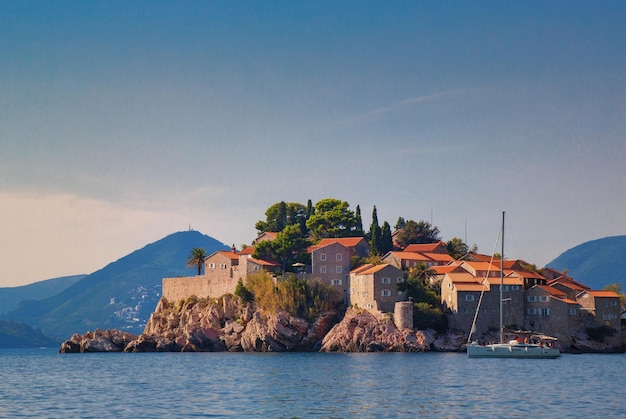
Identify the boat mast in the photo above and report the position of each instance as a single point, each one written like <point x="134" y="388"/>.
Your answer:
<point x="502" y="282"/>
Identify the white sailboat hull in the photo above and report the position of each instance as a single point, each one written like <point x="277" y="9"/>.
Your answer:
<point x="512" y="350"/>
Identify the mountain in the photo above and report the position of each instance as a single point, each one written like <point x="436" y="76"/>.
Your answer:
<point x="11" y="297"/>
<point x="19" y="335"/>
<point x="595" y="263"/>
<point x="122" y="295"/>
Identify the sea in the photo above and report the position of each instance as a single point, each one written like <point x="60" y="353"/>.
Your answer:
<point x="45" y="384"/>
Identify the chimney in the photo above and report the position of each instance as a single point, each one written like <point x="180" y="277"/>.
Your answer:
<point x="233" y="249"/>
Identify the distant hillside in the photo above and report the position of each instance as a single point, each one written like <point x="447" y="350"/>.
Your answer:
<point x="595" y="263"/>
<point x="11" y="297"/>
<point x="19" y="335"/>
<point x="121" y="295"/>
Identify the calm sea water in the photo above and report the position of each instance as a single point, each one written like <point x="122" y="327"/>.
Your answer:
<point x="43" y="383"/>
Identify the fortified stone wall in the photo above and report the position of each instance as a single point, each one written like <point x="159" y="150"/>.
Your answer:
<point x="180" y="288"/>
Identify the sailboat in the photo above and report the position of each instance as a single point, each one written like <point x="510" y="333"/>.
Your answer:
<point x="533" y="346"/>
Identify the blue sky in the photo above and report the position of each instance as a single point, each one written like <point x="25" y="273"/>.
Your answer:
<point x="122" y="122"/>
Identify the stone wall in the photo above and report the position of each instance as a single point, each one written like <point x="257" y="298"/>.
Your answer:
<point x="403" y="315"/>
<point x="180" y="288"/>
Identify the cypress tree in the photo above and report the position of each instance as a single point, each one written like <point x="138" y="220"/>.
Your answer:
<point x="375" y="234"/>
<point x="359" y="222"/>
<point x="386" y="242"/>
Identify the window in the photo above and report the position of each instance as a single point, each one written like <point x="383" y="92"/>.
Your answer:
<point x="572" y="311"/>
<point x="222" y="266"/>
<point x="543" y="311"/>
<point x="339" y="257"/>
<point x="543" y="298"/>
<point x="323" y="256"/>
<point x="399" y="280"/>
<point x="532" y="311"/>
<point x="386" y="293"/>
<point x="532" y="299"/>
<point x="323" y="269"/>
<point x="469" y="297"/>
<point x="614" y="303"/>
<point x="505" y="288"/>
<point x="335" y="282"/>
<point x="338" y="269"/>
<point x="211" y="265"/>
<point x="514" y="287"/>
<point x="385" y="280"/>
<point x="368" y="306"/>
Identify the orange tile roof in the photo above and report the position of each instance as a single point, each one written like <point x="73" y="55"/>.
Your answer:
<point x="228" y="254"/>
<point x="482" y="266"/>
<point x="374" y="269"/>
<point x="424" y="247"/>
<point x="263" y="262"/>
<point x="411" y="256"/>
<point x="462" y="277"/>
<point x="442" y="269"/>
<point x="507" y="280"/>
<point x="439" y="257"/>
<point x="247" y="251"/>
<point x="552" y="291"/>
<point x="524" y="274"/>
<point x="362" y="268"/>
<point x="345" y="241"/>
<point x="468" y="286"/>
<point x="602" y="293"/>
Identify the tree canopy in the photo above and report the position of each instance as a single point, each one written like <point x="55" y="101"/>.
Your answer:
<point x="281" y="215"/>
<point x="287" y="248"/>
<point x="417" y="232"/>
<point x="332" y="218"/>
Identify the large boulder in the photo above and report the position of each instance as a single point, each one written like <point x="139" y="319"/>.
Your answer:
<point x="98" y="341"/>
<point x="281" y="332"/>
<point x="364" y="331"/>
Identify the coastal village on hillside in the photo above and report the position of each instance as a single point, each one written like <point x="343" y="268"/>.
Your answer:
<point x="544" y="301"/>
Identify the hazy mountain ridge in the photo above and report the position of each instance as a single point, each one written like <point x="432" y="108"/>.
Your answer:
<point x="595" y="263"/>
<point x="121" y="295"/>
<point x="10" y="297"/>
<point x="19" y="335"/>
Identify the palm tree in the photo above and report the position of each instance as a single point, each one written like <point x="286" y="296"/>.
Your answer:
<point x="196" y="259"/>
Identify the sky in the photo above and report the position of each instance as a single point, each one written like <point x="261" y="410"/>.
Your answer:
<point x="122" y="122"/>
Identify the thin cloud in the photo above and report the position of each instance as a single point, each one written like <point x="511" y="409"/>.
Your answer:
<point x="394" y="107"/>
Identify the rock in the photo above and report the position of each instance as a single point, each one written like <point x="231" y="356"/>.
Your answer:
<point x="98" y="341"/>
<point x="363" y="331"/>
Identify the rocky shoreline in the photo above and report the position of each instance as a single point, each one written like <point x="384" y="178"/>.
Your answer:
<point x="227" y="325"/>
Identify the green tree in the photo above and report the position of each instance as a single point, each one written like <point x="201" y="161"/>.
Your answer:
<point x="456" y="248"/>
<point x="399" y="224"/>
<point x="282" y="214"/>
<point x="332" y="218"/>
<point x="386" y="241"/>
<point x="196" y="259"/>
<point x="288" y="247"/>
<point x="417" y="285"/>
<point x="417" y="232"/>
<point x="359" y="222"/>
<point x="375" y="234"/>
